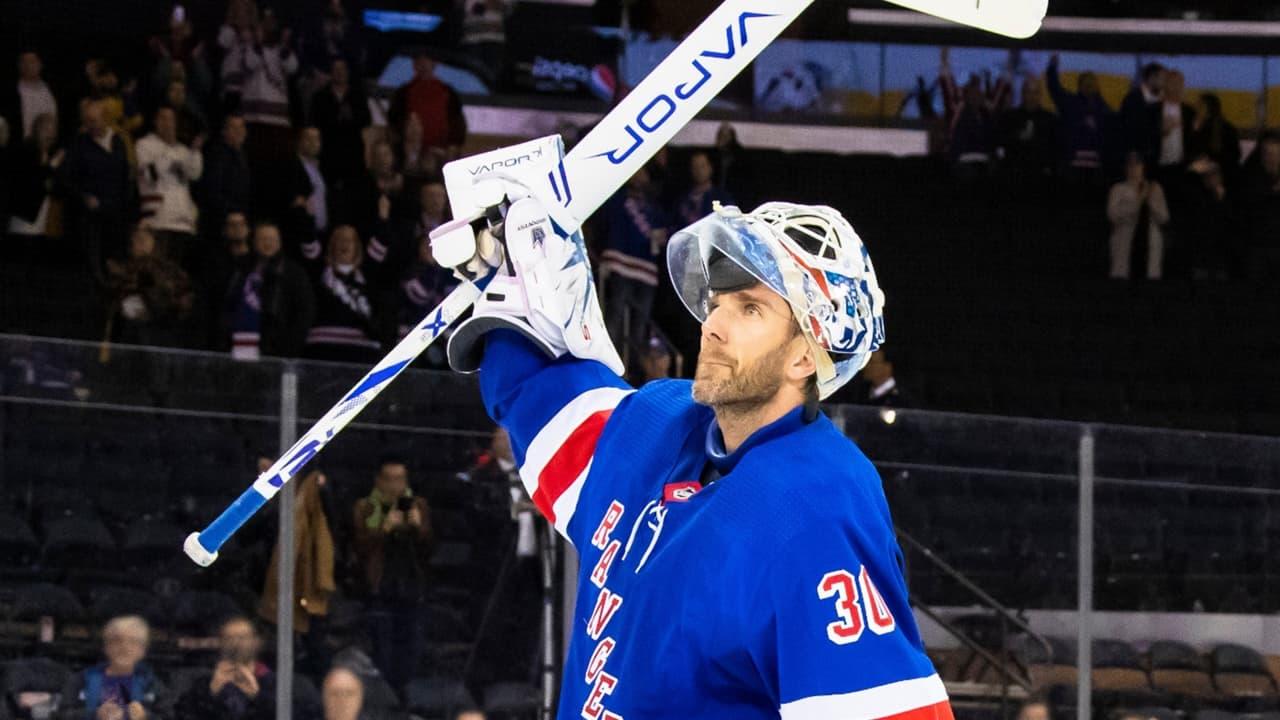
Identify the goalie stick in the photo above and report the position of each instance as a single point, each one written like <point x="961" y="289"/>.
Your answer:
<point x="580" y="182"/>
<point x="668" y="98"/>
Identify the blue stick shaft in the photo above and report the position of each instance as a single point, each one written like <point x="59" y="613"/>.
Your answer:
<point x="236" y="514"/>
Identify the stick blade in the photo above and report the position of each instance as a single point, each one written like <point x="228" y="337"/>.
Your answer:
<point x="1012" y="18"/>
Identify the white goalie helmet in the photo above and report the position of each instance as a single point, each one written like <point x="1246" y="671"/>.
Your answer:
<point x="808" y="254"/>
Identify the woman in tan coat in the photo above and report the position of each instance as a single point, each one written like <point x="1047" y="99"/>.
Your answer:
<point x="1137" y="205"/>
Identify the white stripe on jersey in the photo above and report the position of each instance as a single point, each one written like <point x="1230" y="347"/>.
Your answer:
<point x="877" y="702"/>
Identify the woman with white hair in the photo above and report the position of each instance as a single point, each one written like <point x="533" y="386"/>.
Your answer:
<point x="123" y="687"/>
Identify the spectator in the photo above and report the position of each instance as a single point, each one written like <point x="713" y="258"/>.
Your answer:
<point x="152" y="295"/>
<point x="876" y="384"/>
<point x="469" y="714"/>
<point x="240" y="687"/>
<point x="436" y="106"/>
<point x="1142" y="115"/>
<point x="702" y="194"/>
<point x="379" y="189"/>
<point x="1213" y="137"/>
<point x="236" y="37"/>
<point x="328" y="39"/>
<point x="269" y="63"/>
<point x="343" y="695"/>
<point x="1138" y="214"/>
<point x="229" y="254"/>
<point x="1034" y="708"/>
<point x="166" y="169"/>
<point x="96" y="177"/>
<point x="1084" y="115"/>
<point x="123" y="687"/>
<point x="629" y="263"/>
<point x="30" y="97"/>
<point x="1027" y="136"/>
<point x="655" y="362"/>
<point x="1177" y="118"/>
<point x="269" y="303"/>
<point x="35" y="164"/>
<point x="341" y="112"/>
<point x="416" y="159"/>
<point x="227" y="182"/>
<point x="392" y="544"/>
<point x="345" y="326"/>
<point x="180" y="57"/>
<point x="733" y="161"/>
<point x="424" y="286"/>
<point x="1212" y="228"/>
<point x="304" y="187"/>
<point x="484" y="36"/>
<point x="119" y="105"/>
<point x="192" y="123"/>
<point x="1260" y="197"/>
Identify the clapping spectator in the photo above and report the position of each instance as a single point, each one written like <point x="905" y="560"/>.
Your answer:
<point x="341" y="112"/>
<point x="346" y="326"/>
<point x="269" y="63"/>
<point x="698" y="200"/>
<point x="227" y="182"/>
<point x="166" y="170"/>
<point x="180" y="57"/>
<point x="1138" y="213"/>
<point x="235" y="37"/>
<point x="29" y="98"/>
<point x="392" y="544"/>
<point x="629" y="263"/>
<point x="152" y="296"/>
<point x="1260" y="197"/>
<point x="343" y="695"/>
<point x="123" y="687"/>
<point x="96" y="177"/>
<point x="269" y="305"/>
<point x="436" y="106"/>
<point x="35" y="163"/>
<point x="240" y="686"/>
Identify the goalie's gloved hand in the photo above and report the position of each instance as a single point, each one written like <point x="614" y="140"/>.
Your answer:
<point x="542" y="289"/>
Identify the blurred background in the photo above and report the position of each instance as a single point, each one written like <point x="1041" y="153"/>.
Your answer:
<point x="214" y="217"/>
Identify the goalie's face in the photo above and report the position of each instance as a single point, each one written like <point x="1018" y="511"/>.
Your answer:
<point x="752" y="352"/>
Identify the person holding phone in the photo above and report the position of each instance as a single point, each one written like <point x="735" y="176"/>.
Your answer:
<point x="240" y="687"/>
<point x="392" y="547"/>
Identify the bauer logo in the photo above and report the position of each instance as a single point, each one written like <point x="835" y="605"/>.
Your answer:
<point x="657" y="111"/>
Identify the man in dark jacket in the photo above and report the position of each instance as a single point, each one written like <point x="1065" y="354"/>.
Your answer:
<point x="226" y="183"/>
<point x="269" y="302"/>
<point x="96" y="178"/>
<point x="240" y="687"/>
<point x="1141" y="115"/>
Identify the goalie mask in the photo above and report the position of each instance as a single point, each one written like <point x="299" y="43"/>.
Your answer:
<point x="809" y="255"/>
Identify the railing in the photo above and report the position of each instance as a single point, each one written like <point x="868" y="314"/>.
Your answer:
<point x="1182" y="521"/>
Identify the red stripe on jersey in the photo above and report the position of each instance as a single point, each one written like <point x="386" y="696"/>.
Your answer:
<point x="937" y="711"/>
<point x="568" y="462"/>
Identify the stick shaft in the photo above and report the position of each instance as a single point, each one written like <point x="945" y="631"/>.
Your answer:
<point x="307" y="446"/>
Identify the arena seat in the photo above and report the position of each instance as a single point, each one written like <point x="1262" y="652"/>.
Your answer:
<point x="1241" y="672"/>
<point x="513" y="700"/>
<point x="436" y="697"/>
<point x="32" y="685"/>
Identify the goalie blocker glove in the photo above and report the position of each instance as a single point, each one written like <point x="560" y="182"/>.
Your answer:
<point x="542" y="288"/>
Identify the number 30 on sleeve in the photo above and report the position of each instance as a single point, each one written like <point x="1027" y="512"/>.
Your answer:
<point x="851" y="595"/>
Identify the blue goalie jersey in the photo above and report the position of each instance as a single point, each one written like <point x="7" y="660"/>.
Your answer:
<point x="775" y="591"/>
